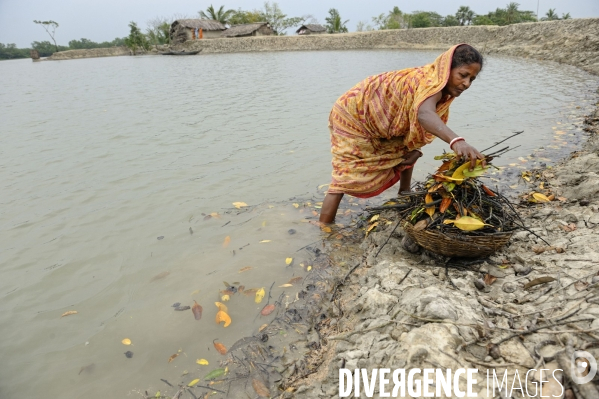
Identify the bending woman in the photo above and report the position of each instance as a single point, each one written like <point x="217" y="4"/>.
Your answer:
<point x="378" y="126"/>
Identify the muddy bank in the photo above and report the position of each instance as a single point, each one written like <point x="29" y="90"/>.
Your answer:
<point x="89" y="53"/>
<point x="407" y="310"/>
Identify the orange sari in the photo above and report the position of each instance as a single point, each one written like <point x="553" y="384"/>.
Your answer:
<point x="375" y="124"/>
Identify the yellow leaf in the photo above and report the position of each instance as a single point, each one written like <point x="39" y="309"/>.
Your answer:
<point x="288" y="261"/>
<point x="239" y="205"/>
<point x="296" y="205"/>
<point x="265" y="241"/>
<point x="221" y="306"/>
<point x="126" y="341"/>
<point x="244" y="269"/>
<point x="375" y="217"/>
<point x="459" y="172"/>
<point x="271" y="206"/>
<point x="430" y="210"/>
<point x="192" y="383"/>
<point x="225" y="298"/>
<point x="226" y="241"/>
<point x="540" y="197"/>
<point x="223" y="317"/>
<point x="68" y="313"/>
<point x="264" y="224"/>
<point x="262" y="327"/>
<point x="202" y="362"/>
<point x="372" y="226"/>
<point x="326" y="229"/>
<point x="467" y="223"/>
<point x="285" y="285"/>
<point x="309" y="268"/>
<point x="215" y="215"/>
<point x="260" y="294"/>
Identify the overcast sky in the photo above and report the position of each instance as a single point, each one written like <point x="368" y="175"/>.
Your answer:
<point x="106" y="19"/>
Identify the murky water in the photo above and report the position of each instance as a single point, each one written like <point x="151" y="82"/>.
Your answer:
<point x="109" y="168"/>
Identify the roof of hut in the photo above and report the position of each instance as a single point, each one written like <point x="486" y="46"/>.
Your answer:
<point x="244" y="29"/>
<point x="204" y="24"/>
<point x="313" y="28"/>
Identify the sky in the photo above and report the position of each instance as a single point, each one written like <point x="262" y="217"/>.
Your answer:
<point x="104" y="20"/>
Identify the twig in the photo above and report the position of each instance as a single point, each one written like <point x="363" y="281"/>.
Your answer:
<point x="404" y="277"/>
<point x="526" y="332"/>
<point x="387" y="240"/>
<point x="499" y="142"/>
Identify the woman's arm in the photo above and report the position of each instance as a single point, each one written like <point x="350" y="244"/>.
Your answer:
<point x="430" y="121"/>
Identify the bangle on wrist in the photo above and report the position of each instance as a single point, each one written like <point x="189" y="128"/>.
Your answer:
<point x="452" y="142"/>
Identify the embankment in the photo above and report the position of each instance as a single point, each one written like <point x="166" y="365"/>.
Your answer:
<point x="89" y="53"/>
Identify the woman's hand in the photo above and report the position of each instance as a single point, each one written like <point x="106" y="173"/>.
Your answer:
<point x="411" y="158"/>
<point x="466" y="151"/>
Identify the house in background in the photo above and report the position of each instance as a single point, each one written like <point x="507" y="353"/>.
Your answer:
<point x="311" y="29"/>
<point x="183" y="30"/>
<point x="255" y="29"/>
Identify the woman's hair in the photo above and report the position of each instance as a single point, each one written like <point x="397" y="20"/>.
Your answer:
<point x="466" y="55"/>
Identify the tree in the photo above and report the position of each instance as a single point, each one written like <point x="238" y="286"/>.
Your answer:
<point x="136" y="39"/>
<point x="566" y="16"/>
<point x="278" y="21"/>
<point x="421" y="20"/>
<point x="464" y="15"/>
<point x="50" y="28"/>
<point x="334" y="23"/>
<point x="511" y="13"/>
<point x="46" y="48"/>
<point x="245" y="17"/>
<point x="362" y="26"/>
<point x="451" y="20"/>
<point x="221" y="15"/>
<point x="551" y="15"/>
<point x="10" y="51"/>
<point x="482" y="20"/>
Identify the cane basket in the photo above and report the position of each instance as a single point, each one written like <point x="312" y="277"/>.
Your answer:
<point x="457" y="245"/>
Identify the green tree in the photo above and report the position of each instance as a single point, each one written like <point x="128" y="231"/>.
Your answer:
<point x="551" y="15"/>
<point x="136" y="39"/>
<point x="245" y="17"/>
<point x="464" y="15"/>
<point x="10" y="51"/>
<point x="511" y="13"/>
<point x="566" y="16"/>
<point x="159" y="34"/>
<point x="50" y="28"/>
<point x="421" y="20"/>
<point x="334" y="23"/>
<point x="278" y="21"/>
<point x="451" y="20"/>
<point x="46" y="48"/>
<point x="221" y="15"/>
<point x="482" y="20"/>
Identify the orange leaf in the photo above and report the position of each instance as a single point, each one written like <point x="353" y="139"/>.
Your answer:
<point x="488" y="191"/>
<point x="489" y="279"/>
<point x="445" y="204"/>
<point x="427" y="200"/>
<point x="223" y="317"/>
<point x="221" y="306"/>
<point x="170" y="359"/>
<point x="226" y="242"/>
<point x="197" y="310"/>
<point x="268" y="309"/>
<point x="260" y="388"/>
<point x="220" y="348"/>
<point x="244" y="269"/>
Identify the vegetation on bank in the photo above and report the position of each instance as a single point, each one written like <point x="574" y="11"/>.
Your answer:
<point x="157" y="31"/>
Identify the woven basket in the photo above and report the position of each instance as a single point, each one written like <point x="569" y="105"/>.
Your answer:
<point x="457" y="245"/>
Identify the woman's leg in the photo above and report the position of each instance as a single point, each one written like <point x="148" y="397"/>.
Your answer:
<point x="405" y="180"/>
<point x="329" y="207"/>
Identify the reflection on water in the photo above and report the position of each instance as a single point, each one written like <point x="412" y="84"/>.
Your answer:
<point x="109" y="167"/>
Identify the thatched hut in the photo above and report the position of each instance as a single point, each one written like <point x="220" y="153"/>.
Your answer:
<point x="311" y="29"/>
<point x="255" y="29"/>
<point x="183" y="30"/>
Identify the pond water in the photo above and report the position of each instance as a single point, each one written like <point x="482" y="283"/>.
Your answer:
<point x="111" y="167"/>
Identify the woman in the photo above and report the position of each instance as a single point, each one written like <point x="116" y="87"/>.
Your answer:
<point x="378" y="127"/>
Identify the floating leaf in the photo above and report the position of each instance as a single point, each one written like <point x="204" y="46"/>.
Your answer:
<point x="285" y="285"/>
<point x="214" y="374"/>
<point x="223" y="317"/>
<point x="160" y="276"/>
<point x="220" y="348"/>
<point x="221" y="306"/>
<point x="239" y="205"/>
<point x="540" y="197"/>
<point x="445" y="204"/>
<point x="202" y="362"/>
<point x="226" y="241"/>
<point x="197" y="310"/>
<point x="263" y="241"/>
<point x="296" y="205"/>
<point x="215" y="215"/>
<point x="295" y="280"/>
<point x="244" y="269"/>
<point x="260" y="293"/>
<point x="192" y="383"/>
<point x="68" y="313"/>
<point x="260" y="388"/>
<point x="170" y="359"/>
<point x="126" y="341"/>
<point x="308" y="268"/>
<point x="466" y="223"/>
<point x="288" y="261"/>
<point x="225" y="298"/>
<point x="268" y="309"/>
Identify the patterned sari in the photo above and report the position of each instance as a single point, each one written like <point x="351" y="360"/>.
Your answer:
<point x="375" y="124"/>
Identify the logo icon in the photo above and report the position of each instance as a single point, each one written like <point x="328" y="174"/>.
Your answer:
<point x="584" y="367"/>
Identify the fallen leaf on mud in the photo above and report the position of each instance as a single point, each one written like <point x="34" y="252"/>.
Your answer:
<point x="489" y="279"/>
<point x="308" y="268"/>
<point x="68" y="313"/>
<point x="537" y="281"/>
<point x="285" y="285"/>
<point x="126" y="341"/>
<point x="260" y="295"/>
<point x="197" y="310"/>
<point x="296" y="205"/>
<point x="295" y="280"/>
<point x="562" y="199"/>
<point x="160" y="276"/>
<point x="264" y="241"/>
<point x="375" y="217"/>
<point x="226" y="241"/>
<point x="260" y="388"/>
<point x="225" y="298"/>
<point x="220" y="348"/>
<point x="207" y="217"/>
<point x="239" y="205"/>
<point x="288" y="261"/>
<point x="262" y="327"/>
<point x="241" y="288"/>
<point x="540" y="197"/>
<point x="244" y="269"/>
<point x="223" y="317"/>
<point x="538" y="249"/>
<point x="580" y="285"/>
<point x="568" y="228"/>
<point x="215" y="215"/>
<point x="192" y="383"/>
<point x="250" y="292"/>
<point x="221" y="306"/>
<point x="268" y="309"/>
<point x="372" y="226"/>
<point x="202" y="362"/>
<point x="170" y="359"/>
<point x="214" y="374"/>
<point x="326" y="229"/>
